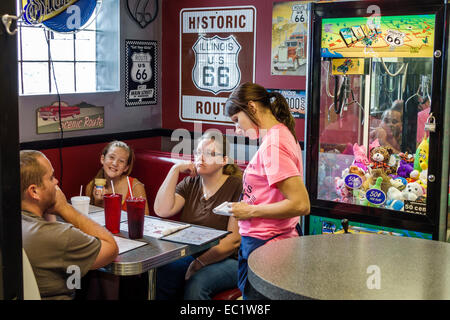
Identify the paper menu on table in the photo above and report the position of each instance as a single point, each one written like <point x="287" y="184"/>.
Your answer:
<point x="157" y="228"/>
<point x="99" y="217"/>
<point x="93" y="209"/>
<point x="125" y="244"/>
<point x="196" y="235"/>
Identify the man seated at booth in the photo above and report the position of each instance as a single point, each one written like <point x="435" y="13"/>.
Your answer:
<point x="59" y="252"/>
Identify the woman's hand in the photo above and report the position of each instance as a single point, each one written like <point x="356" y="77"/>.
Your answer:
<point x="192" y="269"/>
<point x="241" y="210"/>
<point x="187" y="167"/>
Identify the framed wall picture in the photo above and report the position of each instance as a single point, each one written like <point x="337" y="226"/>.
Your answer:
<point x="140" y="72"/>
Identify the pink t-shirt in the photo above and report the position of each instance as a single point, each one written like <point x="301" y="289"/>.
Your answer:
<point x="278" y="158"/>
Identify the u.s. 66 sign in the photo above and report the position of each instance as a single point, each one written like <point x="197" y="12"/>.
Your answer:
<point x="217" y="49"/>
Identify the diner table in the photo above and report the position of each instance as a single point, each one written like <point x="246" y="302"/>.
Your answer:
<point x="153" y="254"/>
<point x="351" y="267"/>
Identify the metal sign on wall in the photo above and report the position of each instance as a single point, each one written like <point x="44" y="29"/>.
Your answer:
<point x="217" y="53"/>
<point x="141" y="73"/>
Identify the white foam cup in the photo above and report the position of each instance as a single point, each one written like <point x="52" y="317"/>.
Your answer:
<point x="81" y="204"/>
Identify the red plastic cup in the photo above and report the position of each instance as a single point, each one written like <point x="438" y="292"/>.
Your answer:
<point x="135" y="213"/>
<point x="113" y="205"/>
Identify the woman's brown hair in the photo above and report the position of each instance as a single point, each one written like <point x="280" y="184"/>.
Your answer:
<point x="246" y="92"/>
<point x="230" y="169"/>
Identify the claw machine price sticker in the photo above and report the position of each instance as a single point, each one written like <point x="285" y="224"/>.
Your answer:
<point x="353" y="181"/>
<point x="375" y="196"/>
<point x="383" y="36"/>
<point x="289" y="38"/>
<point x="217" y="54"/>
<point x="140" y="68"/>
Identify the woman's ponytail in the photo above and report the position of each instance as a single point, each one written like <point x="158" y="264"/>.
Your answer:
<point x="280" y="109"/>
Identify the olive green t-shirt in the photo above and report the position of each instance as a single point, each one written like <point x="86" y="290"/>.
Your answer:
<point x="197" y="210"/>
<point x="56" y="250"/>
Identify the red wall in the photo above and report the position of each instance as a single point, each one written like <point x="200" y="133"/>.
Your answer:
<point x="81" y="163"/>
<point x="170" y="58"/>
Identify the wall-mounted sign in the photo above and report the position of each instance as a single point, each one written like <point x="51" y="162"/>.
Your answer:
<point x="217" y="53"/>
<point x="296" y="100"/>
<point x="289" y="38"/>
<point x="59" y="16"/>
<point x="80" y="116"/>
<point x="382" y="36"/>
<point x="140" y="72"/>
<point x="143" y="11"/>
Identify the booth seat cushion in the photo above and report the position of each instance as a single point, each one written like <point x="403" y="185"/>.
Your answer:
<point x="151" y="168"/>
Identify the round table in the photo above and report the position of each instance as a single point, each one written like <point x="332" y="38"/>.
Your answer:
<point x="351" y="266"/>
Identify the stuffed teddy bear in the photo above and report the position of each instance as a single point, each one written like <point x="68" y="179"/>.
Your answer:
<point x="379" y="158"/>
<point x="376" y="173"/>
<point x="412" y="191"/>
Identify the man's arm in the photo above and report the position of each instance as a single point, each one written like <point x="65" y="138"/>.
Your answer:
<point x="108" y="250"/>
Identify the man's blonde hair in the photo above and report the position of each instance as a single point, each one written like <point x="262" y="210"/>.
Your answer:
<point x="31" y="171"/>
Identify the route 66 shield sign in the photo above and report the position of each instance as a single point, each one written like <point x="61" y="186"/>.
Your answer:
<point x="140" y="69"/>
<point x="140" y="72"/>
<point x="216" y="66"/>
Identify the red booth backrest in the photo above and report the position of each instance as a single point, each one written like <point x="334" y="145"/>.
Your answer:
<point x="151" y="168"/>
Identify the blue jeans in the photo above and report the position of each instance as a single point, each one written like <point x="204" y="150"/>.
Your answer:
<point x="203" y="285"/>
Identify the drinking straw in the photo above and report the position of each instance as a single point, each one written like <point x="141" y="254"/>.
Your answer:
<point x="112" y="185"/>
<point x="129" y="187"/>
<point x="81" y="190"/>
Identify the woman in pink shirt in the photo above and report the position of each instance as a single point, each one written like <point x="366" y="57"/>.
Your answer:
<point x="274" y="195"/>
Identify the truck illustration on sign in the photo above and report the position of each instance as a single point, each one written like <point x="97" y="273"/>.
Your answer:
<point x="292" y="53"/>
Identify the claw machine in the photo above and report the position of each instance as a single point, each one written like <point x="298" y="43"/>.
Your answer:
<point x="376" y="100"/>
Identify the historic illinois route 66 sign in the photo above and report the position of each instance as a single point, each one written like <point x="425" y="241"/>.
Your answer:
<point x="140" y="68"/>
<point x="217" y="50"/>
<point x="216" y="64"/>
<point x="140" y="72"/>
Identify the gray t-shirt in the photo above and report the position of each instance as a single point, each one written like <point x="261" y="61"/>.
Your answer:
<point x="53" y="247"/>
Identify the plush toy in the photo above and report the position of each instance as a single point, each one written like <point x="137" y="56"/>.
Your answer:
<point x="423" y="178"/>
<point x="397" y="205"/>
<point x="374" y="144"/>
<point x="393" y="164"/>
<point x="377" y="186"/>
<point x="376" y="173"/>
<point x="404" y="169"/>
<point x="421" y="158"/>
<point x="399" y="182"/>
<point x="358" y="171"/>
<point x="379" y="158"/>
<point x="394" y="194"/>
<point x="361" y="160"/>
<point x="342" y="191"/>
<point x="412" y="191"/>
<point x="413" y="176"/>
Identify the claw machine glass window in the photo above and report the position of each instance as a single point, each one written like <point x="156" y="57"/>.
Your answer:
<point x="375" y="111"/>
